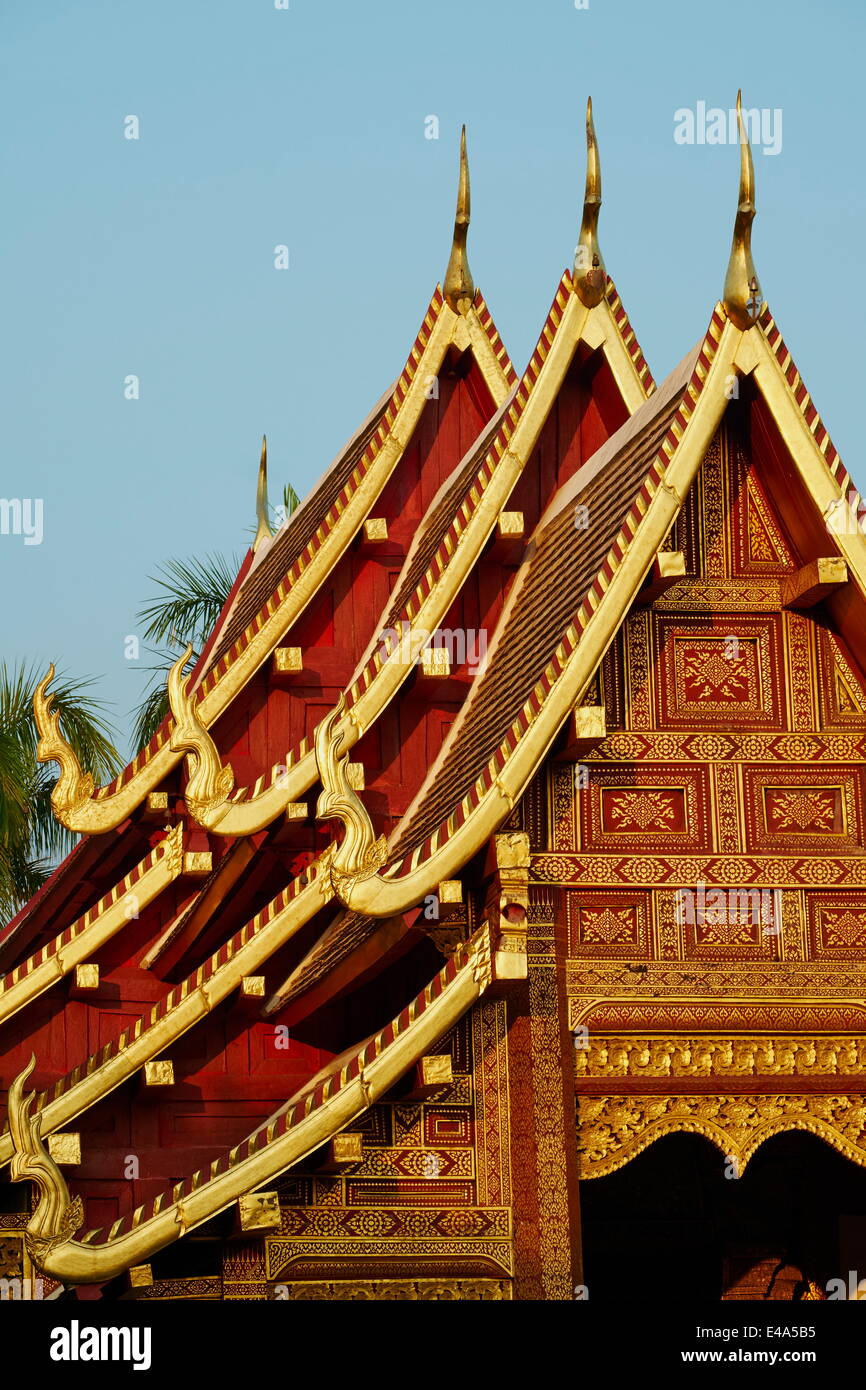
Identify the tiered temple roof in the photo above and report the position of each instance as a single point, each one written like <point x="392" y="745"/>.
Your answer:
<point x="217" y="904"/>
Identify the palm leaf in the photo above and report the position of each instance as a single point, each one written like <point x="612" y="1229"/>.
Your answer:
<point x="194" y="594"/>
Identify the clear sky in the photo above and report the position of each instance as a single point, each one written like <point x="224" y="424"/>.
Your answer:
<point x="305" y="127"/>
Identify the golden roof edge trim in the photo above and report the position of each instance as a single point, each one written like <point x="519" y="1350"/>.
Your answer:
<point x="39" y="971"/>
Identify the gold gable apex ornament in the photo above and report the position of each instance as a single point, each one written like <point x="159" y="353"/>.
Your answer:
<point x="742" y="293"/>
<point x="458" y="287"/>
<point x="589" y="274"/>
<point x="263" y="532"/>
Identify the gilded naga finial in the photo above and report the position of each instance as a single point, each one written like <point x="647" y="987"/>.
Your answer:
<point x="742" y="293"/>
<point x="56" y="1217"/>
<point x="589" y="273"/>
<point x="209" y="784"/>
<point x="359" y="855"/>
<point x="458" y="286"/>
<point x="74" y="786"/>
<point x="264" y="532"/>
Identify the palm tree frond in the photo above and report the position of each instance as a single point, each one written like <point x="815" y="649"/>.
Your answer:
<point x="149" y="715"/>
<point x="194" y="594"/>
<point x="20" y="877"/>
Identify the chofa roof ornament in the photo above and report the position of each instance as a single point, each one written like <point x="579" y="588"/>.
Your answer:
<point x="742" y="294"/>
<point x="263" y="530"/>
<point x="458" y="286"/>
<point x="589" y="273"/>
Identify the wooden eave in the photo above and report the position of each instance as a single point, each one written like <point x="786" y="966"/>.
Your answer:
<point x="277" y="923"/>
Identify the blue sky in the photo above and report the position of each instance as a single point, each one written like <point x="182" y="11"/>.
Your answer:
<point x="306" y="127"/>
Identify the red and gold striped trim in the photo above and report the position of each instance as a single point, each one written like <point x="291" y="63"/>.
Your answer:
<point x="770" y="330"/>
<point x="81" y="924"/>
<point x="496" y="343"/>
<point x="629" y="338"/>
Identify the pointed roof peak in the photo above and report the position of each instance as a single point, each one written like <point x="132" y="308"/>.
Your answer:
<point x="263" y="532"/>
<point x="742" y="293"/>
<point x="458" y="286"/>
<point x="589" y="273"/>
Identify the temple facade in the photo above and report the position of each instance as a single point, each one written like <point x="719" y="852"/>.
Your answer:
<point x="487" y="920"/>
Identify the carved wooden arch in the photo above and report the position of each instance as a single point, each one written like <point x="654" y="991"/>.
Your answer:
<point x="614" y="1129"/>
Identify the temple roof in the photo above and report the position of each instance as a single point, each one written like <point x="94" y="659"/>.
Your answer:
<point x="582" y="569"/>
<point x="573" y="581"/>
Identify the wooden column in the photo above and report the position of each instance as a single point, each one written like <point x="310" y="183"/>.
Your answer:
<point x="543" y="1137"/>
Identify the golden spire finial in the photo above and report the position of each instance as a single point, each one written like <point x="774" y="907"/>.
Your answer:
<point x="589" y="274"/>
<point x="264" y="531"/>
<point x="742" y="293"/>
<point x="458" y="286"/>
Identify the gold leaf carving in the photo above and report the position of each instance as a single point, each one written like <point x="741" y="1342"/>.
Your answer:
<point x="362" y="1290"/>
<point x="209" y="784"/>
<point x="683" y="1056"/>
<point x="359" y="856"/>
<point x="56" y="1217"/>
<point x="614" y="1129"/>
<point x="74" y="786"/>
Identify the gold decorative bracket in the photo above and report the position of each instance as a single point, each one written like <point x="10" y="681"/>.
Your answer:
<point x="814" y="582"/>
<point x="587" y="728"/>
<point x="506" y="905"/>
<point x="667" y="569"/>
